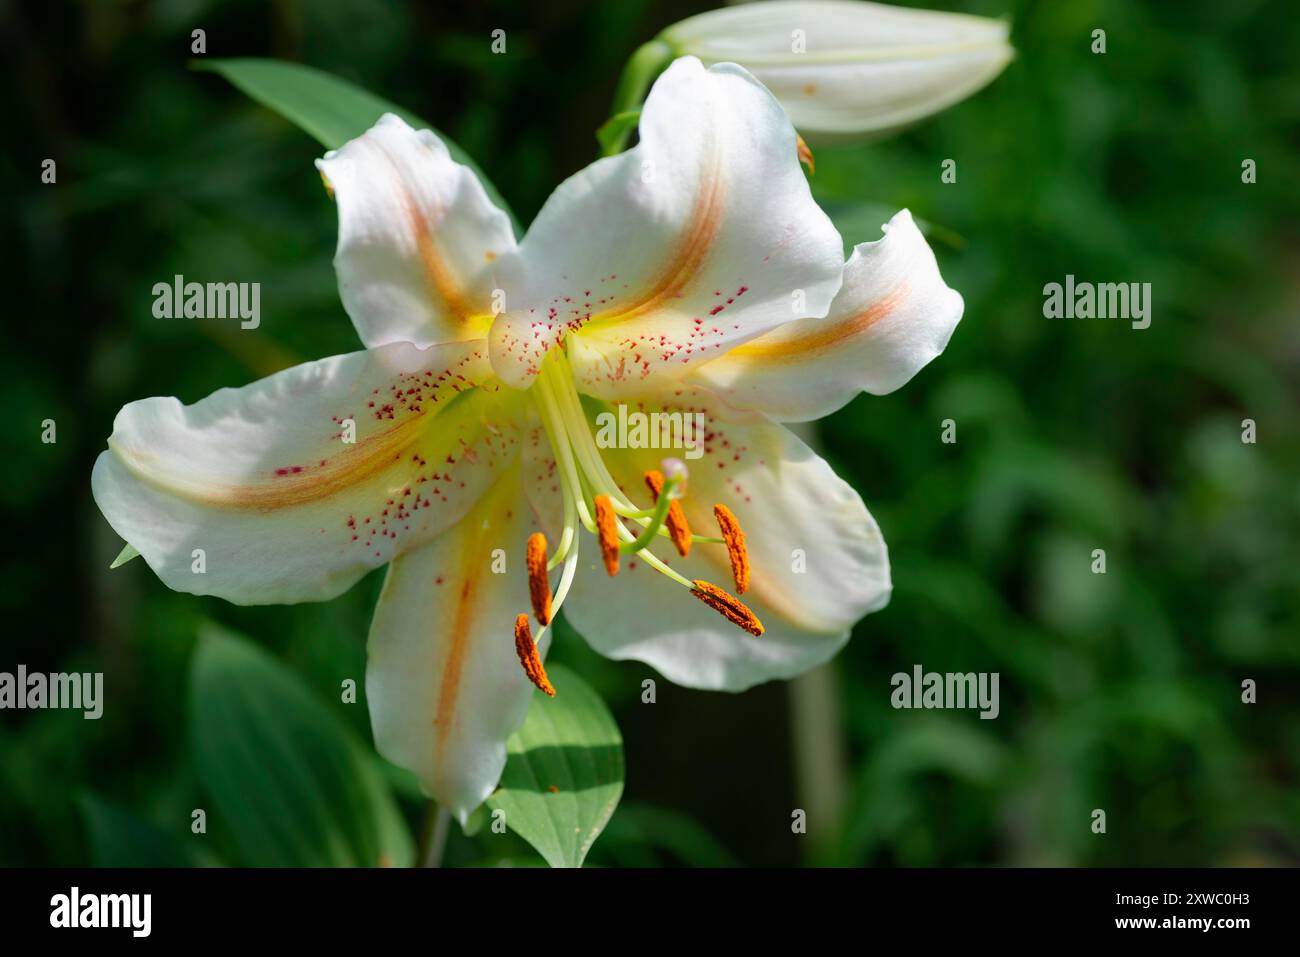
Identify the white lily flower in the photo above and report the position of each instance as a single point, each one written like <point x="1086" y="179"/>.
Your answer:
<point x="843" y="67"/>
<point x="661" y="278"/>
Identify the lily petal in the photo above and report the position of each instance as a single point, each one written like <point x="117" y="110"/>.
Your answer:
<point x="444" y="685"/>
<point x="541" y="479"/>
<point x="843" y="68"/>
<point x="419" y="239"/>
<point x="892" y="316"/>
<point x="818" y="560"/>
<point x="703" y="236"/>
<point x="255" y="494"/>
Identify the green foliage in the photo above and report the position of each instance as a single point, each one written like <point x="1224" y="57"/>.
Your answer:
<point x="1120" y="690"/>
<point x="564" y="773"/>
<point x="290" y="782"/>
<point x="117" y="837"/>
<point x="330" y="109"/>
<point x="127" y="553"/>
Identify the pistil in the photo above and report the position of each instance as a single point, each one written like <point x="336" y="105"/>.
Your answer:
<point x="594" y="499"/>
<point x="678" y="528"/>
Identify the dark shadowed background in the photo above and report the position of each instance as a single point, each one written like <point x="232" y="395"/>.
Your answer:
<point x="1119" y="691"/>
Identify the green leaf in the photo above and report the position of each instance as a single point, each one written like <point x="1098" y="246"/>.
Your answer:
<point x="127" y="553"/>
<point x="119" y="838"/>
<point x="564" y="771"/>
<point x="327" y="107"/>
<point x="287" y="778"/>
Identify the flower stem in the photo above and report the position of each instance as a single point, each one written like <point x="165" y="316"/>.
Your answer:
<point x="433" y="835"/>
<point x="821" y="776"/>
<point x="820" y="750"/>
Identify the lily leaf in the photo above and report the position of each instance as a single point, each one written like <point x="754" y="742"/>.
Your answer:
<point x="327" y="107"/>
<point x="119" y="838"/>
<point x="287" y="778"/>
<point x="127" y="553"/>
<point x="564" y="771"/>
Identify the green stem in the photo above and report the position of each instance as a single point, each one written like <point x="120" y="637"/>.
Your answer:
<point x="433" y="835"/>
<point x="820" y="749"/>
<point x="642" y="68"/>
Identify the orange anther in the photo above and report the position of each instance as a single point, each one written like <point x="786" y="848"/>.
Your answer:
<point x="736" y="551"/>
<point x="730" y="607"/>
<point x="607" y="532"/>
<point x="539" y="585"/>
<point x="529" y="658"/>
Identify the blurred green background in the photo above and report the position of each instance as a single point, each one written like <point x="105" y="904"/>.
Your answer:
<point x="1118" y="691"/>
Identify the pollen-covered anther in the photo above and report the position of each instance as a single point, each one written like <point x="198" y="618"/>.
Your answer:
<point x="734" y="537"/>
<point x="607" y="532"/>
<point x="729" y="606"/>
<point x="678" y="530"/>
<point x="529" y="658"/>
<point x="539" y="585"/>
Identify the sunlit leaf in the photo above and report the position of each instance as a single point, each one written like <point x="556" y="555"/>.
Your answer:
<point x="564" y="775"/>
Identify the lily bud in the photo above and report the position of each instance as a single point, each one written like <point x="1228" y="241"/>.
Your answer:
<point x="847" y="69"/>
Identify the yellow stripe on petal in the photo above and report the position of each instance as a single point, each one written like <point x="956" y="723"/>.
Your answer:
<point x="294" y="486"/>
<point x="443" y="677"/>
<point x="892" y="315"/>
<point x="418" y="237"/>
<point x="690" y="251"/>
<point x="802" y="339"/>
